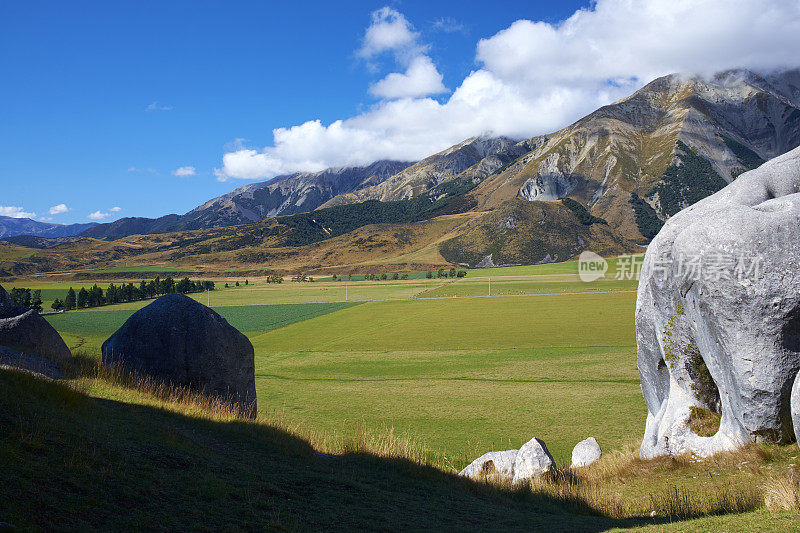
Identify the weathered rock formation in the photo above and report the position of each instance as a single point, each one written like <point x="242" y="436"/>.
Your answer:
<point x="585" y="453"/>
<point x="518" y="466"/>
<point x="718" y="314"/>
<point x="181" y="341"/>
<point x="23" y="330"/>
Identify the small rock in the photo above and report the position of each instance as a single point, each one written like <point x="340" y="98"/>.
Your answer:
<point x="492" y="463"/>
<point x="532" y="460"/>
<point x="585" y="452"/>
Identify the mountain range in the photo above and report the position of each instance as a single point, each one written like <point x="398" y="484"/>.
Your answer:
<point x="606" y="183"/>
<point x="10" y="227"/>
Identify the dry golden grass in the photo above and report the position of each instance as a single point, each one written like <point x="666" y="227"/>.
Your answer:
<point x="704" y="422"/>
<point x="598" y="490"/>
<point x="783" y="493"/>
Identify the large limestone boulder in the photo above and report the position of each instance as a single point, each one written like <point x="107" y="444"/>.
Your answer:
<point x="585" y="452"/>
<point x="492" y="464"/>
<point x="181" y="341"/>
<point x="718" y="314"/>
<point x="23" y="330"/>
<point x="533" y="460"/>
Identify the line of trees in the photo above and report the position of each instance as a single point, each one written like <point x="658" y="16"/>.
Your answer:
<point x="114" y="294"/>
<point x="442" y="273"/>
<point x="27" y="298"/>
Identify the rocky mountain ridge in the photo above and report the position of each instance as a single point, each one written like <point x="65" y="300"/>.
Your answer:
<point x="11" y="227"/>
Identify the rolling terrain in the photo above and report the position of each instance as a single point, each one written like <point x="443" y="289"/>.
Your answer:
<point x="379" y="403"/>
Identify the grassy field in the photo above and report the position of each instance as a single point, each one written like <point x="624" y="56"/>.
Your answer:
<point x="457" y="377"/>
<point x="87" y="330"/>
<point x="464" y="375"/>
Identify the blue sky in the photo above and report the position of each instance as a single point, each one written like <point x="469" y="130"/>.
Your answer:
<point x="103" y="102"/>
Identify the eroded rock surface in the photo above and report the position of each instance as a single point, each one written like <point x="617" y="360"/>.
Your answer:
<point x="718" y="314"/>
<point x="181" y="341"/>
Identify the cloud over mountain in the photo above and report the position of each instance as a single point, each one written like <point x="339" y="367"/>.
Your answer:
<point x="533" y="77"/>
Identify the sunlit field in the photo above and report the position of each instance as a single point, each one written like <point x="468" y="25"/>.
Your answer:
<point x="463" y="375"/>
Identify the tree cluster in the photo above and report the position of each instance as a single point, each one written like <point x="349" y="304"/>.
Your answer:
<point x="442" y="273"/>
<point x="27" y="298"/>
<point x="114" y="294"/>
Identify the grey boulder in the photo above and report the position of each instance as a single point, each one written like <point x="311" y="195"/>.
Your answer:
<point x="585" y="453"/>
<point x="24" y="330"/>
<point x="533" y="460"/>
<point x="718" y="315"/>
<point x="492" y="464"/>
<point x="178" y="340"/>
<point x="30" y="362"/>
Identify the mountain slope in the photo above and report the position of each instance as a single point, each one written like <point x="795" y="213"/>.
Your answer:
<point x="671" y="143"/>
<point x="10" y="227"/>
<point x="477" y="157"/>
<point x="284" y="195"/>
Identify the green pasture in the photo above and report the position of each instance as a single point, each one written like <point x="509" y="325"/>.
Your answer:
<point x="462" y="376"/>
<point x="88" y="329"/>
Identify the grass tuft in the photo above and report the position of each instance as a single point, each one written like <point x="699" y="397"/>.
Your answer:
<point x="783" y="493"/>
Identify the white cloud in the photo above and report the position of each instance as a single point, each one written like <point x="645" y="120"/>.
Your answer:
<point x="115" y="209"/>
<point x="183" y="172"/>
<point x="449" y="25"/>
<point x="45" y="219"/>
<point x="155" y="106"/>
<point x="137" y="169"/>
<point x="389" y="31"/>
<point x="98" y="215"/>
<point x="420" y="79"/>
<point x="15" y="212"/>
<point x="58" y="209"/>
<point x="534" y="78"/>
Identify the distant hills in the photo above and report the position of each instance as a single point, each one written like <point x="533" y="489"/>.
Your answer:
<point x="284" y="195"/>
<point x="605" y="183"/>
<point x="10" y="227"/>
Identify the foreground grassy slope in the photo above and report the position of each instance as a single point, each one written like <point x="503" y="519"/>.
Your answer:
<point x="72" y="461"/>
<point x="98" y="454"/>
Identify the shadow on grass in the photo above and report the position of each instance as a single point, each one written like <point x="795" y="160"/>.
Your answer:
<point x="70" y="461"/>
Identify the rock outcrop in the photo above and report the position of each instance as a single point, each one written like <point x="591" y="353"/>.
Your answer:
<point x="517" y="466"/>
<point x="718" y="315"/>
<point x="181" y="341"/>
<point x="585" y="453"/>
<point x="23" y="330"/>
